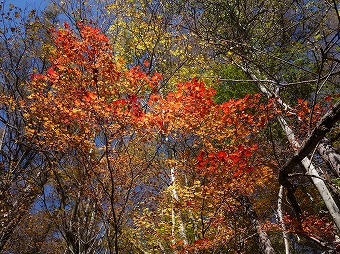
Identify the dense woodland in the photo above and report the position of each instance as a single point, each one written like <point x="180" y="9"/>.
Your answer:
<point x="196" y="126"/>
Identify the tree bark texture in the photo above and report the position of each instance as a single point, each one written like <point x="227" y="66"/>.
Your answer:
<point x="301" y="151"/>
<point x="329" y="154"/>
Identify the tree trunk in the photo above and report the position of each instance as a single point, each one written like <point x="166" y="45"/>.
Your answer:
<point x="328" y="154"/>
<point x="311" y="171"/>
<point x="264" y="241"/>
<point x="2" y="136"/>
<point x="307" y="163"/>
<point x="175" y="197"/>
<point x="283" y="226"/>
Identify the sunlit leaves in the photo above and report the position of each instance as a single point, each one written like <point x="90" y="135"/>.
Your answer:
<point x="115" y="122"/>
<point x="153" y="33"/>
<point x="85" y="87"/>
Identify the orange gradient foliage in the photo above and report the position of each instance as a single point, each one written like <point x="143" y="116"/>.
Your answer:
<point x="89" y="93"/>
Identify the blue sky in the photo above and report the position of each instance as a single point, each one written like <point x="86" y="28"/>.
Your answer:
<point x="31" y="4"/>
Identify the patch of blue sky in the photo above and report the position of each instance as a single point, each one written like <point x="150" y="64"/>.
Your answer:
<point x="26" y="4"/>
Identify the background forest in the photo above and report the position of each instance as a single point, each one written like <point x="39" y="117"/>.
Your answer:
<point x="170" y="126"/>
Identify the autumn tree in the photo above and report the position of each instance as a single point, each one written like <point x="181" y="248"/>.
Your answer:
<point x="299" y="42"/>
<point x="110" y="137"/>
<point x="23" y="171"/>
<point x="95" y="137"/>
<point x="127" y="160"/>
<point x="211" y="172"/>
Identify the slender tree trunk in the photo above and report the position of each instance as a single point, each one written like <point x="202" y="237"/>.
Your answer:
<point x="173" y="228"/>
<point x="283" y="226"/>
<point x="264" y="240"/>
<point x="313" y="172"/>
<point x="8" y="230"/>
<point x="307" y="163"/>
<point x="2" y="136"/>
<point x="182" y="230"/>
<point x="328" y="154"/>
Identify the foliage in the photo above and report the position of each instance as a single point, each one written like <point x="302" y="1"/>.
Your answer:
<point x="152" y="31"/>
<point x="90" y="110"/>
<point x="227" y="89"/>
<point x="154" y="138"/>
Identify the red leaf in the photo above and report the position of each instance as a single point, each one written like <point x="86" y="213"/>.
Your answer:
<point x="156" y="77"/>
<point x="237" y="173"/>
<point x="211" y="155"/>
<point x="247" y="153"/>
<point x="89" y="96"/>
<point x="222" y="155"/>
<point x="52" y="73"/>
<point x="249" y="169"/>
<point x="200" y="156"/>
<point x="328" y="98"/>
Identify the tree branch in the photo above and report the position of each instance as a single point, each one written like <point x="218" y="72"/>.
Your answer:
<point x="318" y="133"/>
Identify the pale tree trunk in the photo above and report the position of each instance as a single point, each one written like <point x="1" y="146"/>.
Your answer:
<point x="311" y="171"/>
<point x="307" y="163"/>
<point x="193" y="220"/>
<point x="282" y="224"/>
<point x="173" y="229"/>
<point x="2" y="136"/>
<point x="264" y="240"/>
<point x="182" y="230"/>
<point x="8" y="227"/>
<point x="328" y="153"/>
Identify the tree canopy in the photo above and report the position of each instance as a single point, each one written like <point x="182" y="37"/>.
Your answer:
<point x="170" y="127"/>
